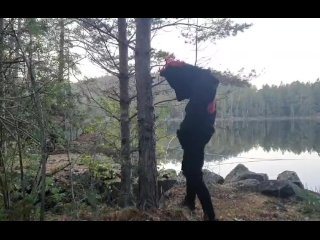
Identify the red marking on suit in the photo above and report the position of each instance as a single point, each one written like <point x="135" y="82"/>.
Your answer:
<point x="171" y="62"/>
<point x="212" y="107"/>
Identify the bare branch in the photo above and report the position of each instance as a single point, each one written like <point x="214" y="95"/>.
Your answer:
<point x="4" y="120"/>
<point x="108" y="32"/>
<point x="133" y="116"/>
<point x="178" y="22"/>
<point x="102" y="107"/>
<point x="158" y="83"/>
<point x="112" y="58"/>
<point x="102" y="66"/>
<point x="163" y="101"/>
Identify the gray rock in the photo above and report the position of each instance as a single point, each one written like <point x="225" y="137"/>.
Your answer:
<point x="240" y="172"/>
<point x="211" y="177"/>
<point x="165" y="185"/>
<point x="208" y="177"/>
<point x="280" y="188"/>
<point x="246" y="185"/>
<point x="251" y="175"/>
<point x="292" y="177"/>
<point x="166" y="174"/>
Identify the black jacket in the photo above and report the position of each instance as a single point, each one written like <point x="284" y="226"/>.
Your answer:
<point x="199" y="86"/>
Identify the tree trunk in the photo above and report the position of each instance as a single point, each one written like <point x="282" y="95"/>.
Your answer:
<point x="3" y="173"/>
<point x="66" y="92"/>
<point x="42" y="128"/>
<point x="61" y="51"/>
<point x="126" y="164"/>
<point x="1" y="83"/>
<point x="40" y="121"/>
<point x="1" y="86"/>
<point x="16" y="49"/>
<point x="148" y="195"/>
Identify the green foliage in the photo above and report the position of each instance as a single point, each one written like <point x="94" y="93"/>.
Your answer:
<point x="311" y="205"/>
<point x="107" y="126"/>
<point x="158" y="57"/>
<point x="57" y="193"/>
<point x="162" y="136"/>
<point x="36" y="26"/>
<point x="104" y="174"/>
<point x="102" y="169"/>
<point x="95" y="126"/>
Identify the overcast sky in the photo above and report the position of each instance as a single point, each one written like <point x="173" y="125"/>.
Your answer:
<point x="280" y="49"/>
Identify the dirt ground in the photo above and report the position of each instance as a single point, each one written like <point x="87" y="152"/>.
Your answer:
<point x="229" y="204"/>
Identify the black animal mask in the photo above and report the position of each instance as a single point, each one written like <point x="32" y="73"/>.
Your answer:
<point x="189" y="81"/>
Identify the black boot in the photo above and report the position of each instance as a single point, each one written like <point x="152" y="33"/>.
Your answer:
<point x="206" y="218"/>
<point x="189" y="204"/>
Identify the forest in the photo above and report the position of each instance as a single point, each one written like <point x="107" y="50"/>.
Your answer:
<point x="71" y="144"/>
<point x="292" y="100"/>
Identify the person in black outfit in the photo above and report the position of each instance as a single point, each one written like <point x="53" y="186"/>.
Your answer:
<point x="199" y="86"/>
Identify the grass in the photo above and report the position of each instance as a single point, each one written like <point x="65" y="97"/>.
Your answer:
<point x="311" y="205"/>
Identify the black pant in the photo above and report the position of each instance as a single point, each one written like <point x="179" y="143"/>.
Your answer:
<point x="193" y="144"/>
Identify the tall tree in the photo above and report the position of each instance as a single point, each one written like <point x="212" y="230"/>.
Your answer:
<point x="148" y="194"/>
<point x="103" y="39"/>
<point x="3" y="150"/>
<point x="40" y="115"/>
<point x="126" y="166"/>
<point x="61" y="51"/>
<point x="33" y="49"/>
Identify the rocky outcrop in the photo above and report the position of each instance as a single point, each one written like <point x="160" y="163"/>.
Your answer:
<point x="240" y="172"/>
<point x="208" y="177"/>
<point x="290" y="176"/>
<point x="280" y="188"/>
<point x="211" y="177"/>
<point x="165" y="174"/>
<point x="167" y="178"/>
<point x="245" y="185"/>
<point x="165" y="185"/>
<point x="287" y="184"/>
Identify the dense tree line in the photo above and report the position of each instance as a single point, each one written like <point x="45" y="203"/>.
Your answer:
<point x="292" y="100"/>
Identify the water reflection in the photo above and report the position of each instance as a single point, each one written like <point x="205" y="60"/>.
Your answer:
<point x="263" y="146"/>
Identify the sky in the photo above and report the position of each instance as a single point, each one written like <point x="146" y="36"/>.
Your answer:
<point x="279" y="49"/>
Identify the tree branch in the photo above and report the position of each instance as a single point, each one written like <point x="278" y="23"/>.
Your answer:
<point x="102" y="107"/>
<point x="108" y="32"/>
<point x="167" y="100"/>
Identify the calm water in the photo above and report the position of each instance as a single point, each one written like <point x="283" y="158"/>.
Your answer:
<point x="262" y="146"/>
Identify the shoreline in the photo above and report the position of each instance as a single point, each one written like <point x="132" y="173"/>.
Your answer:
<point x="235" y="119"/>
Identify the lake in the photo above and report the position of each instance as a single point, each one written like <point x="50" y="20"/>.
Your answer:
<point x="269" y="147"/>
